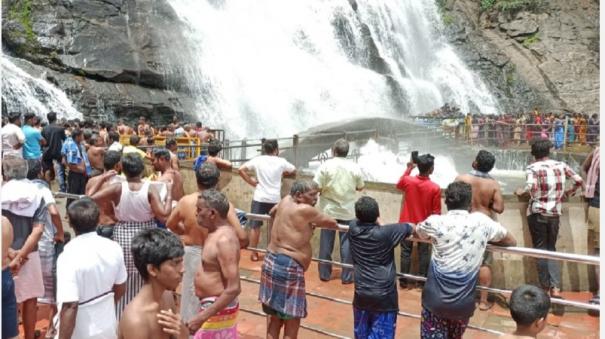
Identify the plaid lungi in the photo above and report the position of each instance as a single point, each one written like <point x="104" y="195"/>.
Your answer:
<point x="282" y="285"/>
<point x="48" y="264"/>
<point x="123" y="233"/>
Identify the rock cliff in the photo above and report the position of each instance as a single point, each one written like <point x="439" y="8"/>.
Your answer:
<point x="112" y="57"/>
<point x="542" y="53"/>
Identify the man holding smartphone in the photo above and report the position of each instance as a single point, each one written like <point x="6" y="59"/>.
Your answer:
<point x="422" y="198"/>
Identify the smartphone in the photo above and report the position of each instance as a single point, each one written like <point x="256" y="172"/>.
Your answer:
<point x="414" y="156"/>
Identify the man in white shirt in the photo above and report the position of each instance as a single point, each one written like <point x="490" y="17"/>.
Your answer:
<point x="338" y="179"/>
<point x="269" y="169"/>
<point x="114" y="140"/>
<point x="91" y="277"/>
<point x="13" y="137"/>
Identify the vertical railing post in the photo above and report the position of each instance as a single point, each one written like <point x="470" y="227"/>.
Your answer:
<point x="269" y="228"/>
<point x="565" y="133"/>
<point x="244" y="150"/>
<point x="295" y="148"/>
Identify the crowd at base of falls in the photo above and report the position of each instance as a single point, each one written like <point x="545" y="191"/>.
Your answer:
<point x="515" y="129"/>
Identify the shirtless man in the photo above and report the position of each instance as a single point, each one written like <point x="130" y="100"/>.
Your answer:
<point x="158" y="256"/>
<point x="183" y="221"/>
<point x="217" y="281"/>
<point x="282" y="287"/>
<point x="487" y="199"/>
<point x="123" y="129"/>
<point x="96" y="151"/>
<point x="9" y="301"/>
<point x="161" y="163"/>
<point x="174" y="159"/>
<point x="142" y="126"/>
<point x="107" y="218"/>
<point x="214" y="147"/>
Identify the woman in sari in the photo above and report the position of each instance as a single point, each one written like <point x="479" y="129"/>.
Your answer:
<point x="571" y="130"/>
<point x="583" y="126"/>
<point x="559" y="131"/>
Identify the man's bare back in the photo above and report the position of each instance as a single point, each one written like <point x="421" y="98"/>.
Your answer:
<point x="107" y="214"/>
<point x="487" y="196"/>
<point x="177" y="183"/>
<point x="209" y="280"/>
<point x="292" y="229"/>
<point x="191" y="233"/>
<point x="220" y="163"/>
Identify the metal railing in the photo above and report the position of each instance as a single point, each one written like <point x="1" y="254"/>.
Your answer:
<point x="530" y="252"/>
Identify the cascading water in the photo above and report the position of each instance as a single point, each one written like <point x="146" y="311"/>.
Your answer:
<point x="272" y="67"/>
<point x="23" y="93"/>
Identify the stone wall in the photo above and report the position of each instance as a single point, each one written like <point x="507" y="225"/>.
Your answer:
<point x="509" y="270"/>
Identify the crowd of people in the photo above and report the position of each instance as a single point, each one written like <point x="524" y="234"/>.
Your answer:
<point x="138" y="237"/>
<point x="514" y="129"/>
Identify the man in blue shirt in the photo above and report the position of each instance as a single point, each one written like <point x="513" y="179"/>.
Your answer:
<point x="75" y="157"/>
<point x="32" y="148"/>
<point x="375" y="303"/>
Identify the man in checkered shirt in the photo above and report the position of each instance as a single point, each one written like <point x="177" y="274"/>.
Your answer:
<point x="545" y="185"/>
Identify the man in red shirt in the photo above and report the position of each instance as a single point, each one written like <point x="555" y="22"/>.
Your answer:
<point x="422" y="199"/>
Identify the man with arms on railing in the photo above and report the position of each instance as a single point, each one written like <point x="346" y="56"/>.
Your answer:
<point x="338" y="180"/>
<point x="217" y="281"/>
<point x="545" y="185"/>
<point x="487" y="199"/>
<point x="183" y="221"/>
<point x="282" y="287"/>
<point x="375" y="303"/>
<point x="96" y="152"/>
<point x="171" y="146"/>
<point x="214" y="147"/>
<point x="459" y="239"/>
<point x="269" y="169"/>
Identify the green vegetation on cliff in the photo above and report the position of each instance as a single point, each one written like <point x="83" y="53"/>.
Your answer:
<point x="510" y="6"/>
<point x="21" y="11"/>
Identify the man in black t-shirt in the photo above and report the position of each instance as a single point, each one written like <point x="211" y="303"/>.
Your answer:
<point x="375" y="303"/>
<point x="54" y="134"/>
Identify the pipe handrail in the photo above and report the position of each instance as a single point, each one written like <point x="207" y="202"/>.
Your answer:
<point x="531" y="252"/>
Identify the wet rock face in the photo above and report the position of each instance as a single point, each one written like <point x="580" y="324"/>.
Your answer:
<point x="130" y="44"/>
<point x="546" y="56"/>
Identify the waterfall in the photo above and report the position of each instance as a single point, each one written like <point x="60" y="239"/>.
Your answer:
<point x="23" y="93"/>
<point x="274" y="67"/>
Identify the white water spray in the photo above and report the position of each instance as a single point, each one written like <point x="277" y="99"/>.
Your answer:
<point x="23" y="93"/>
<point x="274" y="67"/>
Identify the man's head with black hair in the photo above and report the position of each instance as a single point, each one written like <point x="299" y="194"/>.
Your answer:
<point x="540" y="148"/>
<point x="28" y="118"/>
<point x="83" y="215"/>
<point x="529" y="307"/>
<point x="484" y="161"/>
<point x="77" y="135"/>
<point x="158" y="255"/>
<point x="340" y="148"/>
<point x="34" y="169"/>
<point x="87" y="135"/>
<point x="214" y="147"/>
<point x="458" y="196"/>
<point x="270" y="147"/>
<point x="171" y="145"/>
<point x="426" y="164"/>
<point x="113" y="136"/>
<point x="112" y="161"/>
<point x="207" y="176"/>
<point x="51" y="117"/>
<point x="132" y="165"/>
<point x="198" y="124"/>
<point x="134" y="140"/>
<point x="161" y="160"/>
<point x="367" y="210"/>
<point x="15" y="118"/>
